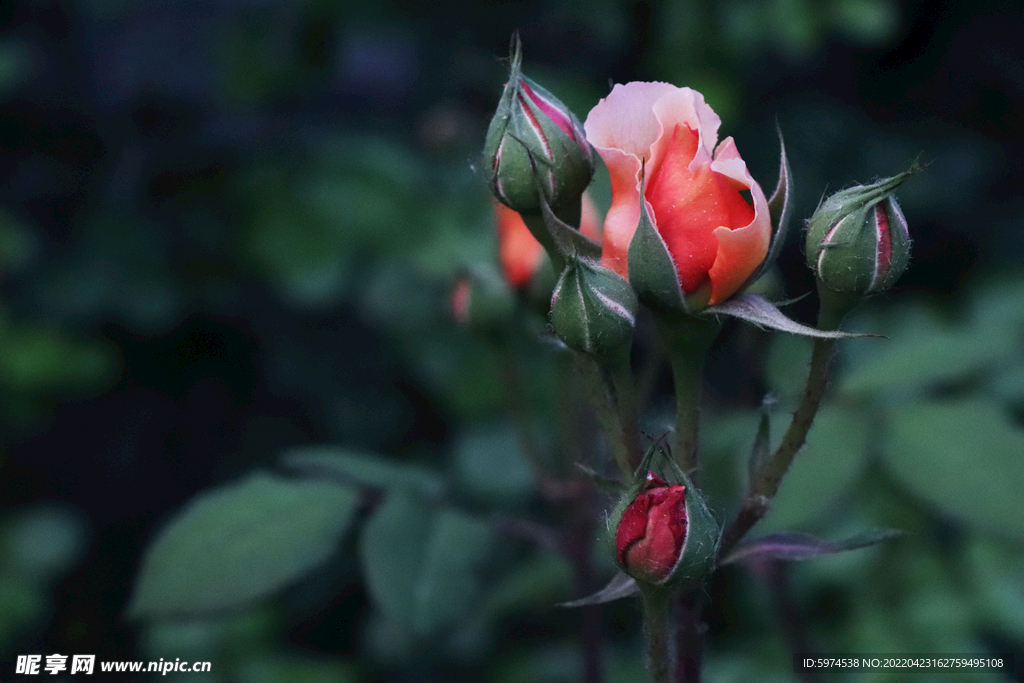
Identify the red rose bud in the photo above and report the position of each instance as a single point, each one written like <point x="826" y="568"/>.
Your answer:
<point x="594" y="310"/>
<point x="857" y="239"/>
<point x="535" y="143"/>
<point x="650" y="536"/>
<point x="664" y="533"/>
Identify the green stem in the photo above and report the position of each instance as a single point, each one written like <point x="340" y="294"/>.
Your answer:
<point x="833" y="308"/>
<point x="660" y="634"/>
<point x="621" y="377"/>
<point x="690" y="628"/>
<point x="687" y="340"/>
<point x="608" y="415"/>
<point x="569" y="213"/>
<point x="535" y="222"/>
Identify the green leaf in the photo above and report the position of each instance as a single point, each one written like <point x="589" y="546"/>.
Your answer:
<point x="536" y="582"/>
<point x="795" y="545"/>
<point x="757" y="310"/>
<point x="39" y="359"/>
<point x="489" y="464"/>
<point x="621" y="586"/>
<point x="965" y="457"/>
<point x="236" y="544"/>
<point x="421" y="563"/>
<point x="289" y="668"/>
<point x="921" y="354"/>
<point x="18" y="245"/>
<point x="362" y="469"/>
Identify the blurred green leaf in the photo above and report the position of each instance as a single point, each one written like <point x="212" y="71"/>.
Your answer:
<point x="39" y="359"/>
<point x="17" y="244"/>
<point x="536" y="583"/>
<point x="281" y="668"/>
<point x="489" y="463"/>
<point x="1007" y="383"/>
<point x="824" y="471"/>
<point x="964" y="457"/>
<point x="43" y="542"/>
<point x="22" y="603"/>
<point x="117" y="269"/>
<point x="15" y="64"/>
<point x="363" y="469"/>
<point x="421" y="564"/>
<point x="921" y="356"/>
<point x="998" y="586"/>
<point x="999" y="305"/>
<point x="236" y="544"/>
<point x="786" y="366"/>
<point x="258" y="56"/>
<point x="871" y="22"/>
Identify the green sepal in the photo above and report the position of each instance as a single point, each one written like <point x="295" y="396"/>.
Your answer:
<point x="652" y="271"/>
<point x="568" y="240"/>
<point x="780" y="210"/>
<point x="630" y="494"/>
<point x="594" y="310"/>
<point x="610" y="487"/>
<point x="703" y="534"/>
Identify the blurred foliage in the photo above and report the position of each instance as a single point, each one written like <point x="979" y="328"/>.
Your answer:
<point x="228" y="235"/>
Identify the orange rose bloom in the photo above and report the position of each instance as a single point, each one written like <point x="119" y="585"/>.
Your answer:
<point x="695" y="198"/>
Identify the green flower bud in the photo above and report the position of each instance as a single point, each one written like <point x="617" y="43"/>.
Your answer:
<point x="857" y="240"/>
<point x="594" y="310"/>
<point x="535" y="144"/>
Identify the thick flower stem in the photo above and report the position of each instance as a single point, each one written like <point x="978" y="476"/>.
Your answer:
<point x="621" y="377"/>
<point x="690" y="629"/>
<point x="687" y="339"/>
<point x="832" y="310"/>
<point x="659" y="630"/>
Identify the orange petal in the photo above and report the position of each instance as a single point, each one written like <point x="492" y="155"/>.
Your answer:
<point x="740" y="251"/>
<point x="689" y="204"/>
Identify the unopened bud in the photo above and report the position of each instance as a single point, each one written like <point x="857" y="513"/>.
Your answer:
<point x="535" y="144"/>
<point x="857" y="240"/>
<point x="594" y="310"/>
<point x="664" y="533"/>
